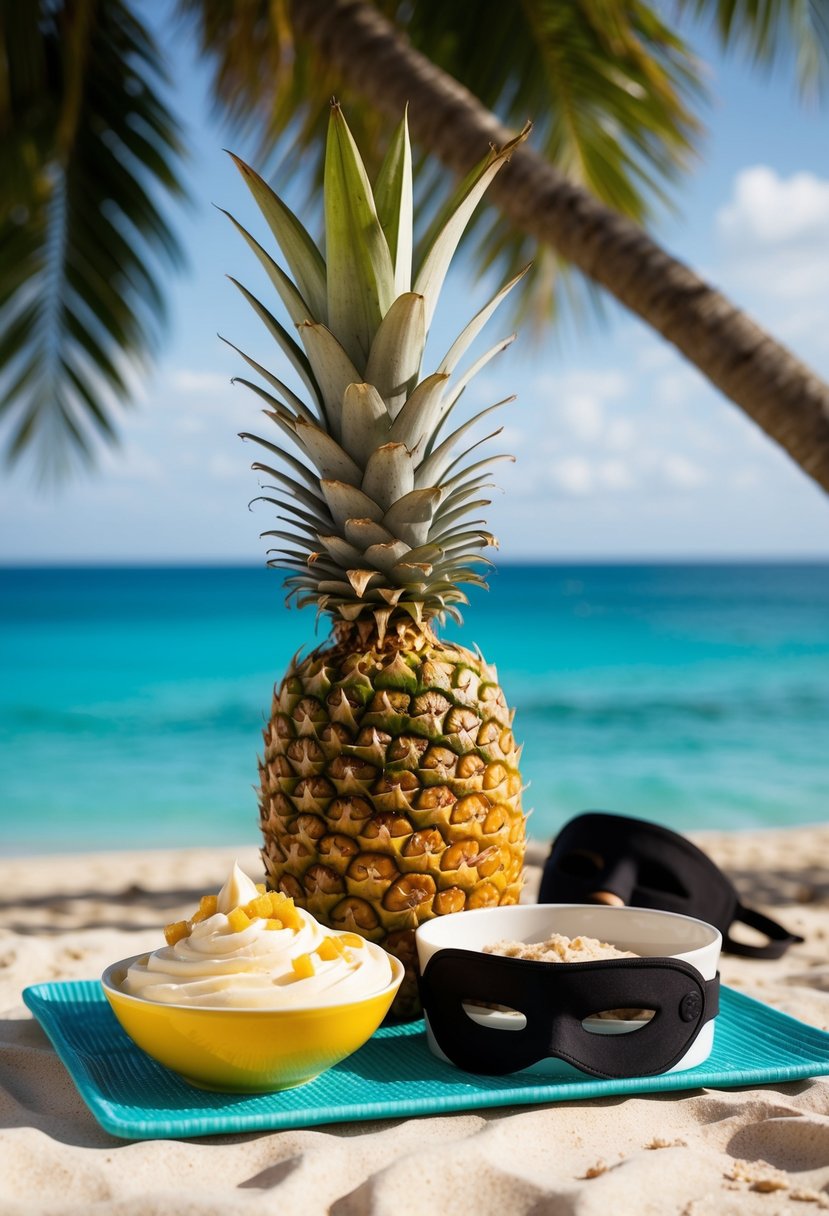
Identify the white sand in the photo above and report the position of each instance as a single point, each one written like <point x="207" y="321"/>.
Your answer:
<point x="695" y="1153"/>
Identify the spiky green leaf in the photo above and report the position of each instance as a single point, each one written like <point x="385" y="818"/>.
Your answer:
<point x="348" y="502"/>
<point x="411" y="516"/>
<point x="295" y="305"/>
<point x="435" y="261"/>
<point x="397" y="351"/>
<point x="389" y="474"/>
<point x="393" y="196"/>
<point x="280" y="334"/>
<point x="327" y="455"/>
<point x="299" y="249"/>
<point x="365" y="532"/>
<point x="296" y="403"/>
<point x="417" y="419"/>
<point x="333" y="370"/>
<point x="360" y="276"/>
<point x="432" y="470"/>
<point x="365" y="421"/>
<point x="468" y="335"/>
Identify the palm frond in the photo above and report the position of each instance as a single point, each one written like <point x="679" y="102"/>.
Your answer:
<point x="82" y="235"/>
<point x="611" y="89"/>
<point x="773" y="33"/>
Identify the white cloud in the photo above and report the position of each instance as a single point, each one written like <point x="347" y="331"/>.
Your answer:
<point x="188" y="380"/>
<point x="223" y="467"/>
<point x="576" y="476"/>
<point x="654" y="356"/>
<point x="776" y="245"/>
<point x="604" y="384"/>
<point x="615" y="475"/>
<point x="189" y="424"/>
<point x="131" y="463"/>
<point x="676" y="387"/>
<point x="576" y="405"/>
<point x="573" y="475"/>
<point x="620" y="434"/>
<point x="807" y="324"/>
<point x="769" y="209"/>
<point x="681" y="472"/>
<point x="512" y="437"/>
<point x="791" y="276"/>
<point x="746" y="478"/>
<point x="583" y="415"/>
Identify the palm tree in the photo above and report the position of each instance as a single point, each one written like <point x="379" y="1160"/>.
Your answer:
<point x="778" y="391"/>
<point x="614" y="85"/>
<point x="84" y="140"/>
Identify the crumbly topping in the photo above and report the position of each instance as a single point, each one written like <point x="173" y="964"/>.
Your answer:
<point x="559" y="949"/>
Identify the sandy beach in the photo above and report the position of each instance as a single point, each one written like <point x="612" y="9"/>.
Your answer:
<point x="694" y="1153"/>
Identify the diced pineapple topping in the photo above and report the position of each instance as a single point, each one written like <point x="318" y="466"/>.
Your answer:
<point x="329" y="948"/>
<point x="285" y="909"/>
<point x="278" y="911"/>
<point x="273" y="905"/>
<point x="336" y="946"/>
<point x="206" y="908"/>
<point x="238" y="920"/>
<point x="303" y="966"/>
<point x="176" y="931"/>
<point x="262" y="906"/>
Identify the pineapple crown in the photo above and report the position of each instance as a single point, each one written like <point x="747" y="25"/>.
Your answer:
<point x="376" y="500"/>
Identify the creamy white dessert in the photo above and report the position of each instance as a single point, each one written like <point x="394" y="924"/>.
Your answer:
<point x="247" y="948"/>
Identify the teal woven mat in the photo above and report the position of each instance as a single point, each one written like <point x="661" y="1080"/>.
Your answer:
<point x="393" y="1075"/>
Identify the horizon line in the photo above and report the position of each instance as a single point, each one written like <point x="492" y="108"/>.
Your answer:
<point x="224" y="563"/>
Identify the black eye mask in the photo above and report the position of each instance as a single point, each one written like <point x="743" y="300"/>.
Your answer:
<point x="647" y="866"/>
<point x="555" y="998"/>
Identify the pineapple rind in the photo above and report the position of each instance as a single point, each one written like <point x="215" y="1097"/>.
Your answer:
<point x="375" y="844"/>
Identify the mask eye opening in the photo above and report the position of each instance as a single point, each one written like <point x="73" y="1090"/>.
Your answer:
<point x="493" y="1017"/>
<point x="581" y="863"/>
<point x="652" y="876"/>
<point x="617" y="1021"/>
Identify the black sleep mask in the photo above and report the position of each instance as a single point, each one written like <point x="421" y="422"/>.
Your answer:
<point x="596" y="856"/>
<point x="555" y="998"/>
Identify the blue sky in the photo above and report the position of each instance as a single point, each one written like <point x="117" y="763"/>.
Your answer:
<point x="622" y="449"/>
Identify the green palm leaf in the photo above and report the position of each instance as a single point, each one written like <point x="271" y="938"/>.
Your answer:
<point x="82" y="237"/>
<point x="612" y="87"/>
<point x="774" y="31"/>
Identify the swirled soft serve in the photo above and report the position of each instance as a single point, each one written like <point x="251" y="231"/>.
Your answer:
<point x="251" y="948"/>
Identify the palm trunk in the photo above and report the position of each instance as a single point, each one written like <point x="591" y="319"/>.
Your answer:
<point x="760" y="375"/>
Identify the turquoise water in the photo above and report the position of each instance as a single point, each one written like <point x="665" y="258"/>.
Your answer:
<point x="131" y="700"/>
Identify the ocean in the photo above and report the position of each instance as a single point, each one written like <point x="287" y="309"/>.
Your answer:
<point x="132" y="699"/>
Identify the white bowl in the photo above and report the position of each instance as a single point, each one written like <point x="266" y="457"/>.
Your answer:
<point x="644" y="931"/>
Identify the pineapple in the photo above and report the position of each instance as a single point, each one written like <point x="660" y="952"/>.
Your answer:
<point x="389" y="787"/>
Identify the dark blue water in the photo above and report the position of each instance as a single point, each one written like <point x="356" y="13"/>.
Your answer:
<point x="132" y="699"/>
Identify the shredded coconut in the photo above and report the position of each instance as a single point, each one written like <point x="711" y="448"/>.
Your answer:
<point x="558" y="948"/>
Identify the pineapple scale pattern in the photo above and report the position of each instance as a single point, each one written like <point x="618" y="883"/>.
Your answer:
<point x="390" y="791"/>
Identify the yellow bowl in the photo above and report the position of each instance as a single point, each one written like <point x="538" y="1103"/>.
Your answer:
<point x="247" y="1050"/>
